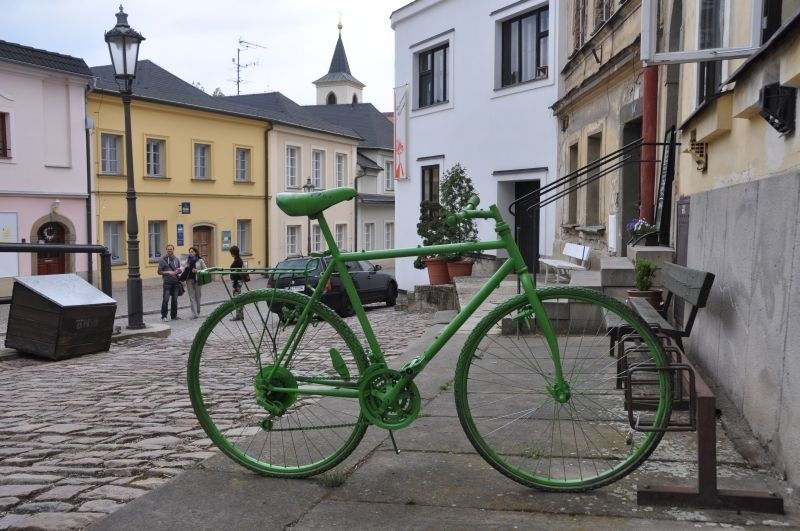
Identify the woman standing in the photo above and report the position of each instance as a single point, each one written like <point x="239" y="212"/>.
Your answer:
<point x="193" y="264"/>
<point x="236" y="279"/>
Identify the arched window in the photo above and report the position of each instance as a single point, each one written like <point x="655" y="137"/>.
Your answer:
<point x="355" y="98"/>
<point x="331" y="100"/>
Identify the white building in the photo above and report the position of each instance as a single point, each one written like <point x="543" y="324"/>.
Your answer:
<point x="478" y="78"/>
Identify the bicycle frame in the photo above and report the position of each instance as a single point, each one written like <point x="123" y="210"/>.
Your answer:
<point x="515" y="264"/>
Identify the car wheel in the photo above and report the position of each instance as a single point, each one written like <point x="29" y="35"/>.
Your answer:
<point x="391" y="294"/>
<point x="345" y="306"/>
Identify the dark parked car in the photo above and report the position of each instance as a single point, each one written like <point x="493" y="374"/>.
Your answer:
<point x="303" y="274"/>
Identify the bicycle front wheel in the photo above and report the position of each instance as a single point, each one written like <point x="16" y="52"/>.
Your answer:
<point x="572" y="439"/>
<point x="262" y="411"/>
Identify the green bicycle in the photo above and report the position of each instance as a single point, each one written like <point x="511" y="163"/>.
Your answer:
<point x="290" y="389"/>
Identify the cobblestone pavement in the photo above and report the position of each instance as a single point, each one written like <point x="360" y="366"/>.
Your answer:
<point x="81" y="437"/>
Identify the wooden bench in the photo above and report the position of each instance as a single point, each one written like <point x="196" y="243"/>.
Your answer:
<point x="563" y="267"/>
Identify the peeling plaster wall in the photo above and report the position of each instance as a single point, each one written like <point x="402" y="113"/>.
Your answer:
<point x="748" y="339"/>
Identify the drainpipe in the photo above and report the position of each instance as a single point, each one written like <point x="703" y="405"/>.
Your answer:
<point x="267" y="262"/>
<point x="647" y="170"/>
<point x="87" y="130"/>
<point x="359" y="175"/>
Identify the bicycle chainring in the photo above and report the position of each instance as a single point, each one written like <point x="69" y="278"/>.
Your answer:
<point x="376" y="383"/>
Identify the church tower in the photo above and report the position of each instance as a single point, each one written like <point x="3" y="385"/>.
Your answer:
<point x="339" y="86"/>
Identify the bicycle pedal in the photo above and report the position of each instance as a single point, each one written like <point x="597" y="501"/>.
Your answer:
<point x="391" y="436"/>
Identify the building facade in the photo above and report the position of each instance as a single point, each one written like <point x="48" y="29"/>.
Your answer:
<point x="199" y="168"/>
<point x="474" y="84"/>
<point x="45" y="192"/>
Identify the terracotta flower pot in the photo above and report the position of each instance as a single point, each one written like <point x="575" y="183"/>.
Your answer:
<point x="653" y="296"/>
<point x="437" y="271"/>
<point x="462" y="268"/>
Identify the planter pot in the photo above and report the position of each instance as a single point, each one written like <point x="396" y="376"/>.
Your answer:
<point x="437" y="271"/>
<point x="462" y="268"/>
<point x="653" y="296"/>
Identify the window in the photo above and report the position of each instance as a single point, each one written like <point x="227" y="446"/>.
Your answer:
<point x="112" y="239"/>
<point x="292" y="239"/>
<point x="430" y="183"/>
<point x="318" y="169"/>
<point x="5" y="135"/>
<point x="525" y="47"/>
<point x="154" y="163"/>
<point x="593" y="152"/>
<point x="155" y="239"/>
<point x="579" y="24"/>
<point x="369" y="236"/>
<point x="341" y="170"/>
<point x="202" y="161"/>
<point x="388" y="235"/>
<point x="710" y="36"/>
<point x="572" y="204"/>
<point x="331" y="100"/>
<point x="602" y="12"/>
<point x="388" y="178"/>
<point x="292" y="169"/>
<point x="341" y="236"/>
<point x="243" y="236"/>
<point x="110" y="160"/>
<point x="242" y="164"/>
<point x="433" y="76"/>
<point x="316" y="239"/>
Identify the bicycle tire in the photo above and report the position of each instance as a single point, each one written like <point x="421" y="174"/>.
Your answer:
<point x="522" y="430"/>
<point x="228" y="364"/>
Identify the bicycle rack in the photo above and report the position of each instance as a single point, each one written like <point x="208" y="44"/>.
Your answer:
<point x="706" y="494"/>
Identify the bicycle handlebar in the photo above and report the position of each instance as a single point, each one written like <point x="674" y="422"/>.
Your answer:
<point x="468" y="212"/>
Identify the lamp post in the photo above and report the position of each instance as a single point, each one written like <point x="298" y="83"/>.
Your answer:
<point x="123" y="45"/>
<point x="308" y="187"/>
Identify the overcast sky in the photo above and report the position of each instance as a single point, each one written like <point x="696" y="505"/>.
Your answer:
<point x="197" y="40"/>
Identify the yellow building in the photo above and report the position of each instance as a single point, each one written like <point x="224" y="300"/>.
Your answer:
<point x="199" y="167"/>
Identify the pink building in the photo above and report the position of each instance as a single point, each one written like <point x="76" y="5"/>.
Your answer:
<point x="44" y="181"/>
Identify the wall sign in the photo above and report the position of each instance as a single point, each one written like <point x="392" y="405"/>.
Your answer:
<point x="226" y="240"/>
<point x="180" y="234"/>
<point x="186" y="207"/>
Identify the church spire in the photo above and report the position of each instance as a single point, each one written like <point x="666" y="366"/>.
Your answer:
<point x="338" y="85"/>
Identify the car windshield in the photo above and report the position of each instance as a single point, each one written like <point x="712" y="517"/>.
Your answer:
<point x="299" y="265"/>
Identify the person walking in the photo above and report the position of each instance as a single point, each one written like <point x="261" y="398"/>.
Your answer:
<point x="169" y="267"/>
<point x="193" y="264"/>
<point x="236" y="279"/>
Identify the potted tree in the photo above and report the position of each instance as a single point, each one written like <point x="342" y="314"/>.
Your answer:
<point x="457" y="189"/>
<point x="644" y="271"/>
<point x="433" y="231"/>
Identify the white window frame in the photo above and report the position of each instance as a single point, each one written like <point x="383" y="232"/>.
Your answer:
<point x="316" y="238"/>
<point x="318" y="168"/>
<point x="112" y="239"/>
<point x="110" y="157"/>
<point x="369" y="236"/>
<point x="341" y="170"/>
<point x="388" y="235"/>
<point x="292" y="166"/>
<point x="242" y="156"/>
<point x="292" y="240"/>
<point x="447" y="38"/>
<point x="388" y="178"/>
<point x="156" y="239"/>
<point x="651" y="56"/>
<point x="155" y="159"/>
<point x="201" y="156"/>
<point x="340" y="234"/>
<point x="243" y="235"/>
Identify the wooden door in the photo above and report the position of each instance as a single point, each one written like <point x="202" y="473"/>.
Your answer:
<point x="203" y="239"/>
<point x="51" y="263"/>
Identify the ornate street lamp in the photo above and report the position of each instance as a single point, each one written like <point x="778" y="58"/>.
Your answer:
<point x="123" y="45"/>
<point x="308" y="187"/>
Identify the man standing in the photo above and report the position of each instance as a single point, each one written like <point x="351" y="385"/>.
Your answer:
<point x="169" y="267"/>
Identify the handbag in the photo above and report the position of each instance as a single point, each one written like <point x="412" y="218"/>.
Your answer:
<point x="246" y="277"/>
<point x="181" y="288"/>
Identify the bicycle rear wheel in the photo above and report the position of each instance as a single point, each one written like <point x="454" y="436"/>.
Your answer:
<point x="233" y="371"/>
<point x="514" y="419"/>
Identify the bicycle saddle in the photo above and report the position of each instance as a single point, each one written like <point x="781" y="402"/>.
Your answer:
<point x="312" y="203"/>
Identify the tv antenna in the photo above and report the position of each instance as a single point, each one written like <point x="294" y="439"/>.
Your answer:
<point x="243" y="45"/>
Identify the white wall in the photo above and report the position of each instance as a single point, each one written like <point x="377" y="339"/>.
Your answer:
<point x="485" y="129"/>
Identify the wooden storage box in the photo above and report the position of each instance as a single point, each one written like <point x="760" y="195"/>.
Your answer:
<point x="59" y="316"/>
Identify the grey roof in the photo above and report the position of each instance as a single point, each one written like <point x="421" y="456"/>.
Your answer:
<point x="366" y="162"/>
<point x="153" y="83"/>
<point x="383" y="199"/>
<point x="25" y="55"/>
<point x="363" y="118"/>
<point x="339" y="70"/>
